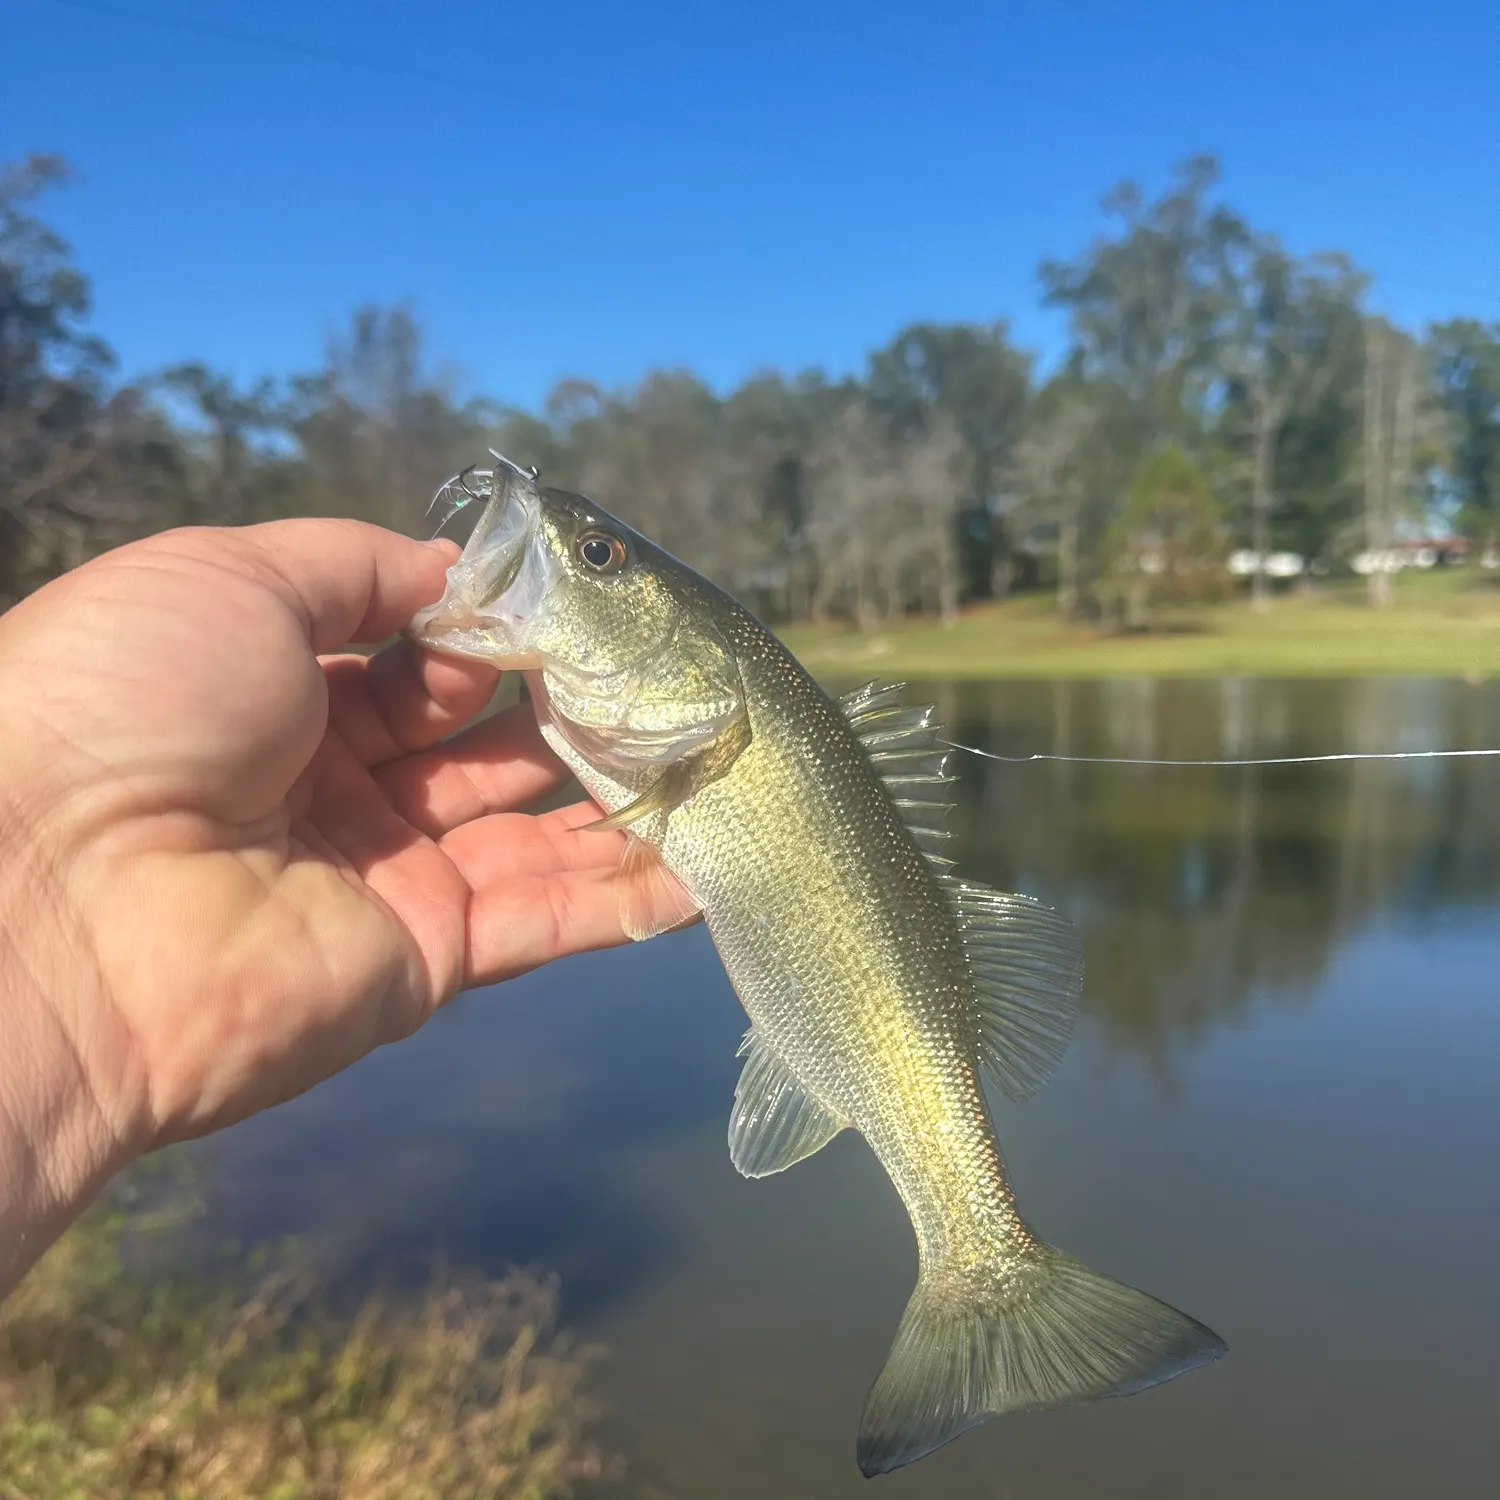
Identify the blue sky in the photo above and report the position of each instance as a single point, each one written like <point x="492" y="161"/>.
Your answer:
<point x="585" y="187"/>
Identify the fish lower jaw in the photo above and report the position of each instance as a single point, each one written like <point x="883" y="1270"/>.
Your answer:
<point x="471" y="646"/>
<point x="455" y="626"/>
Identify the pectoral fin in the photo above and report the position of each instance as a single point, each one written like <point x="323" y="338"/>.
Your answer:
<point x="671" y="789"/>
<point x="682" y="778"/>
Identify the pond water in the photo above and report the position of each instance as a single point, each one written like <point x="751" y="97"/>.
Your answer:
<point x="1280" y="1113"/>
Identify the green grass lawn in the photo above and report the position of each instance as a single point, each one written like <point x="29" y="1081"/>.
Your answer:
<point x="1439" y="624"/>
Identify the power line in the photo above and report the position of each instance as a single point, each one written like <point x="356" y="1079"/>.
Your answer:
<point x="558" y="103"/>
<point x="514" y="86"/>
<point x="867" y="42"/>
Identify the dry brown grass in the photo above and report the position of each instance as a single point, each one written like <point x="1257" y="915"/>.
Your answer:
<point x="119" y="1380"/>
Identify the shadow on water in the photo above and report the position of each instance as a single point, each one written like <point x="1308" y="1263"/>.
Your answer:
<point x="1278" y="1113"/>
<point x="501" y="1135"/>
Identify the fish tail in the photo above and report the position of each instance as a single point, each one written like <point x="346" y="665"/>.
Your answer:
<point x="1049" y="1334"/>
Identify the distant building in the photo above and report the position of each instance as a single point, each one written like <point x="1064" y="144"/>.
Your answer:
<point x="1414" y="552"/>
<point x="1245" y="563"/>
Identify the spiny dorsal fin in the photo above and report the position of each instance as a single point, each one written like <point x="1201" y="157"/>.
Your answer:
<point x="775" y="1123"/>
<point x="1025" y="958"/>
<point x="1026" y="961"/>
<point x="900" y="740"/>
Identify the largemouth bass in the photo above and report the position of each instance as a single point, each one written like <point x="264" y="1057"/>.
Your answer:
<point x="882" y="989"/>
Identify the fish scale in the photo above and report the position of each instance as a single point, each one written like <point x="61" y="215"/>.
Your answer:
<point x="874" y="1018"/>
<point x="881" y="990"/>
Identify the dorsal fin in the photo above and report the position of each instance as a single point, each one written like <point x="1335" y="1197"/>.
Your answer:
<point x="1024" y="958"/>
<point x="900" y="741"/>
<point x="1026" y="962"/>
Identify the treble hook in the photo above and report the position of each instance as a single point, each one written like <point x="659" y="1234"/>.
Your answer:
<point x="459" y="481"/>
<point x="462" y="480"/>
<point x="515" y="468"/>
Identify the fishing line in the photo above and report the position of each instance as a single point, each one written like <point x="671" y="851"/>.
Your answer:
<point x="1274" y="760"/>
<point x="452" y="503"/>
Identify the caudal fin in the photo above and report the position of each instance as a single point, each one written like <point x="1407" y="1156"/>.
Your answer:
<point x="1049" y="1335"/>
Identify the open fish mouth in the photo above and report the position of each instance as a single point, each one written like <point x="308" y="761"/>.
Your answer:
<point x="502" y="577"/>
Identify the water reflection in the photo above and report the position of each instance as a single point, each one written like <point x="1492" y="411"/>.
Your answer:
<point x="1279" y="1114"/>
<point x="1197" y="888"/>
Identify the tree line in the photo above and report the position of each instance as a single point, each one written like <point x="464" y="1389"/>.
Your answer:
<point x="1219" y="394"/>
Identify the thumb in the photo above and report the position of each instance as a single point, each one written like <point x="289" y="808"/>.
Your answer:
<point x="349" y="580"/>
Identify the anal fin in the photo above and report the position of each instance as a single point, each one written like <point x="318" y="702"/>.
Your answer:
<point x="775" y="1123"/>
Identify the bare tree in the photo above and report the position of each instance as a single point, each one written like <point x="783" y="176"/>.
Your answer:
<point x="1065" y="476"/>
<point x="931" y="471"/>
<point x="847" y="470"/>
<point x="82" y="467"/>
<point x="863" y="499"/>
<point x="1279" y="350"/>
<point x="1402" y="433"/>
<point x="1144" y="304"/>
<point x="375" y="425"/>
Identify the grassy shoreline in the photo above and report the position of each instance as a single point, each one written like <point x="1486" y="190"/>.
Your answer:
<point x="1439" y="625"/>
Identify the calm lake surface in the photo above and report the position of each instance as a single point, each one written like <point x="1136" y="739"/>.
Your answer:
<point x="1281" y="1113"/>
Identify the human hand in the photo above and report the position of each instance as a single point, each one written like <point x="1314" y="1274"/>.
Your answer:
<point x="233" y="866"/>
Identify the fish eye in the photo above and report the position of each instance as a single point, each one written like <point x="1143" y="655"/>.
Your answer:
<point x="600" y="551"/>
